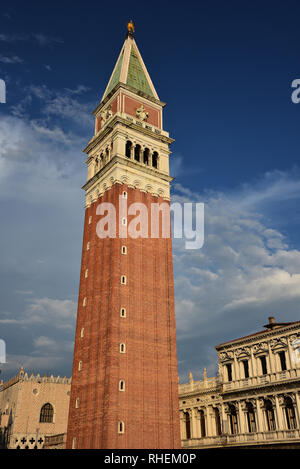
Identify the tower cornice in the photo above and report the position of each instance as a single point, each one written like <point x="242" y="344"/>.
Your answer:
<point x="126" y="163"/>
<point x="129" y="123"/>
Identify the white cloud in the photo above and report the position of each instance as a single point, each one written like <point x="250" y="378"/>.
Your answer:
<point x="10" y="60"/>
<point x="245" y="271"/>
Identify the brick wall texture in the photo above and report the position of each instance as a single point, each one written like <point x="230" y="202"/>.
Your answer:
<point x="149" y="405"/>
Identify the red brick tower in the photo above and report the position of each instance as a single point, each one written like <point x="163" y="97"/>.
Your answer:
<point x="124" y="382"/>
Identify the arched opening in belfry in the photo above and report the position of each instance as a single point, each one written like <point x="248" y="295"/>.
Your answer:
<point x="155" y="159"/>
<point x="146" y="156"/>
<point x="128" y="149"/>
<point x="137" y="152"/>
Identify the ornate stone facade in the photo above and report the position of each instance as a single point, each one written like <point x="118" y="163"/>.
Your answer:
<point x="254" y="400"/>
<point x="31" y="408"/>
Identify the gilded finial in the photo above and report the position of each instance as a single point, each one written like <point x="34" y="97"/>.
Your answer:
<point x="130" y="27"/>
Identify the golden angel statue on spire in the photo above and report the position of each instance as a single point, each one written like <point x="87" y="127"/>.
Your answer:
<point x="130" y="27"/>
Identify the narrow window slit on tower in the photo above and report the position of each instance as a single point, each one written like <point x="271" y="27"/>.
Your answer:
<point x="122" y="385"/>
<point x="80" y="365"/>
<point x="121" y="427"/>
<point x="122" y="348"/>
<point x="123" y="313"/>
<point x="123" y="280"/>
<point x="84" y="301"/>
<point x="88" y="246"/>
<point x="124" y="250"/>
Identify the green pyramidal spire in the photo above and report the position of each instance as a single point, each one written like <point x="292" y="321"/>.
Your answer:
<point x="131" y="70"/>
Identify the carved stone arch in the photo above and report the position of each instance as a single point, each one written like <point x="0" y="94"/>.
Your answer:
<point x="271" y="399"/>
<point x="124" y="179"/>
<point x="278" y="344"/>
<point x="136" y="183"/>
<point x="260" y="348"/>
<point x="149" y="188"/>
<point x="243" y="352"/>
<point x="226" y="356"/>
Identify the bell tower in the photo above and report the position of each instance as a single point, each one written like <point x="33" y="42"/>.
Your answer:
<point x="124" y="390"/>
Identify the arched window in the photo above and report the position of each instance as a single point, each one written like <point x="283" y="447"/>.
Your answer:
<point x="122" y="348"/>
<point x="155" y="160"/>
<point x="137" y="152"/>
<point x="47" y="413"/>
<point x="233" y="420"/>
<point x="217" y="421"/>
<point x="270" y="416"/>
<point x="123" y="280"/>
<point x="202" y="423"/>
<point x="187" y="421"/>
<point x="146" y="156"/>
<point x="128" y="149"/>
<point x="251" y="418"/>
<point x="122" y="385"/>
<point x="290" y="413"/>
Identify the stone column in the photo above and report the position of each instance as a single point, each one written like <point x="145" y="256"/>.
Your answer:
<point x="297" y="408"/>
<point x="194" y="427"/>
<point x="208" y="421"/>
<point x="241" y="418"/>
<point x="182" y="426"/>
<point x="280" y="421"/>
<point x="272" y="360"/>
<point x="259" y="416"/>
<point x="223" y="417"/>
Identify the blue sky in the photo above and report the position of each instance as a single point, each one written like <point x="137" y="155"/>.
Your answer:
<point x="225" y="70"/>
